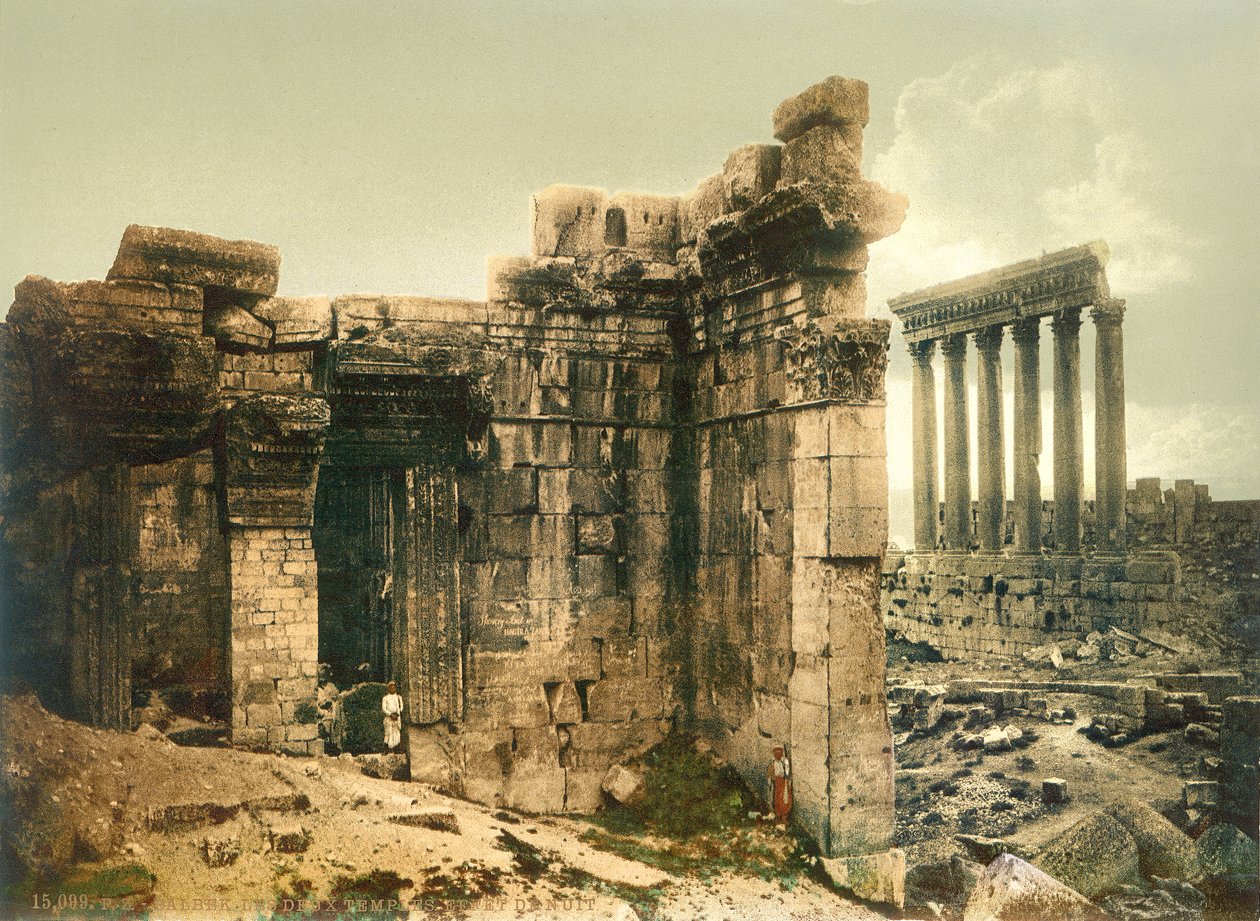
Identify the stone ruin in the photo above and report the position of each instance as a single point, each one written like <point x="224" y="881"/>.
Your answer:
<point x="641" y="486"/>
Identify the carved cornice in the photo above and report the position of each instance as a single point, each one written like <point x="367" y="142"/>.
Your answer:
<point x="842" y="360"/>
<point x="1072" y="278"/>
<point x="272" y="445"/>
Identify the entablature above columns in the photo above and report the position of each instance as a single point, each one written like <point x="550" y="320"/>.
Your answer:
<point x="1067" y="280"/>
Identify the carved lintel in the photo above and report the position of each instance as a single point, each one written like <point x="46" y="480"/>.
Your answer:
<point x="273" y="444"/>
<point x="831" y="359"/>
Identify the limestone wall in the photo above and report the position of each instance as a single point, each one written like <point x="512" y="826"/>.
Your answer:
<point x="641" y="488"/>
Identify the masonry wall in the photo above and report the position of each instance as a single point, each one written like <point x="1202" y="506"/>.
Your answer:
<point x="275" y="638"/>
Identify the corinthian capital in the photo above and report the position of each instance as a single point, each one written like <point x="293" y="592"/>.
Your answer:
<point x="1107" y="311"/>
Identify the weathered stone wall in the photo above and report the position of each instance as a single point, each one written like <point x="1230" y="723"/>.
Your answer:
<point x="1193" y="573"/>
<point x="275" y="638"/>
<point x="641" y="487"/>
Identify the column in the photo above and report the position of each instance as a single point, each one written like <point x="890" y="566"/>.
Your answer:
<point x="1068" y="460"/>
<point x="1111" y="471"/>
<point x="924" y="446"/>
<point x="1027" y="512"/>
<point x="989" y="449"/>
<point x="957" y="450"/>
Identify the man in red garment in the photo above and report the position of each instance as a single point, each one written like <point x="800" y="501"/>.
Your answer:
<point x="779" y="784"/>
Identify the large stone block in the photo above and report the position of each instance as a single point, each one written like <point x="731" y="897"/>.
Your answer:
<point x="835" y="101"/>
<point x="569" y="221"/>
<point x="750" y="173"/>
<point x="184" y="257"/>
<point x="297" y="321"/>
<point x="701" y="207"/>
<point x="821" y="154"/>
<point x="871" y="877"/>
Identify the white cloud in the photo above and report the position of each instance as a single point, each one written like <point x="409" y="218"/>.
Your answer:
<point x="1002" y="162"/>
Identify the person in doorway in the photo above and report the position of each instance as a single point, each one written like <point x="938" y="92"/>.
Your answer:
<point x="779" y="786"/>
<point x="392" y="706"/>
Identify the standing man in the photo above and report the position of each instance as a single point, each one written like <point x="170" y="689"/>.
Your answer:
<point x="392" y="706"/>
<point x="779" y="786"/>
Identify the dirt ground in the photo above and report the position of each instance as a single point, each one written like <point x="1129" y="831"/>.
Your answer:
<point x="93" y="810"/>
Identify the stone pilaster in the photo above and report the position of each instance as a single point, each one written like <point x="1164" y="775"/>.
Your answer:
<point x="1068" y="457"/>
<point x="1027" y="487"/>
<point x="1109" y="429"/>
<point x="272" y="457"/>
<point x="989" y="447"/>
<point x="957" y="449"/>
<point x="926" y="489"/>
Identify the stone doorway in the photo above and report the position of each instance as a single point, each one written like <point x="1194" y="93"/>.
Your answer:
<point x="356" y="511"/>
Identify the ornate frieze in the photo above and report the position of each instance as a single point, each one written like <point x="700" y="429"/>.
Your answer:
<point x="1072" y="278"/>
<point x="844" y="360"/>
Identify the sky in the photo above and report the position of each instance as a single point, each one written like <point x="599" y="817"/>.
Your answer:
<point x="393" y="146"/>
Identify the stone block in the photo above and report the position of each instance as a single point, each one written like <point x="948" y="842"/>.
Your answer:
<point x="623" y="785"/>
<point x="1054" y="790"/>
<point x="297" y="321"/>
<point x="701" y="207"/>
<point x="569" y="221"/>
<point x="821" y="154"/>
<point x="511" y="492"/>
<point x="520" y="706"/>
<point x="834" y="101"/>
<point x="184" y="257"/>
<point x="1201" y="794"/>
<point x="619" y="700"/>
<point x="1094" y="856"/>
<point x="563" y="702"/>
<point x="750" y="173"/>
<point x="871" y="877"/>
<point x="650" y="222"/>
<point x="1012" y="888"/>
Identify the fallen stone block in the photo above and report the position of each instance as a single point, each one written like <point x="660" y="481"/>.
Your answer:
<point x="1198" y="734"/>
<point x="873" y="877"/>
<point x="220" y="852"/>
<point x="1164" y="850"/>
<point x="384" y="767"/>
<point x="1011" y="888"/>
<point x="1228" y="859"/>
<point x="185" y="257"/>
<point x="995" y="739"/>
<point x="436" y="819"/>
<point x="945" y="882"/>
<point x="288" y="839"/>
<point x="623" y="785"/>
<point x="1054" y="790"/>
<point x="151" y="733"/>
<point x="1095" y="856"/>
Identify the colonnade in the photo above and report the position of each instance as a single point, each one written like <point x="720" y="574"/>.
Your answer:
<point x="1110" y="464"/>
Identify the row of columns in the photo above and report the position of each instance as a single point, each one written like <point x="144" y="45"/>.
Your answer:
<point x="1110" y="464"/>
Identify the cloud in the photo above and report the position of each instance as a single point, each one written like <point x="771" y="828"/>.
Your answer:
<point x="1003" y="161"/>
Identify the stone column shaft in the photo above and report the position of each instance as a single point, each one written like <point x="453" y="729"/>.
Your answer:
<point x="989" y="447"/>
<point x="1027" y="436"/>
<point x="1068" y="456"/>
<point x="1110" y="471"/>
<point x="924" y="447"/>
<point x="957" y="449"/>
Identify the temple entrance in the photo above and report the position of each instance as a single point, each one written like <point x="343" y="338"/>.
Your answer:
<point x="356" y="515"/>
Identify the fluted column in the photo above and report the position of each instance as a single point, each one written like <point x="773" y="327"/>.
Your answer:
<point x="1068" y="458"/>
<point x="1027" y="512"/>
<point x="957" y="450"/>
<point x="991" y="466"/>
<point x="1110" y="466"/>
<point x="924" y="446"/>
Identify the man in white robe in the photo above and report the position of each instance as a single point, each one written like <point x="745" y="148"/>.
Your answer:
<point x="392" y="707"/>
